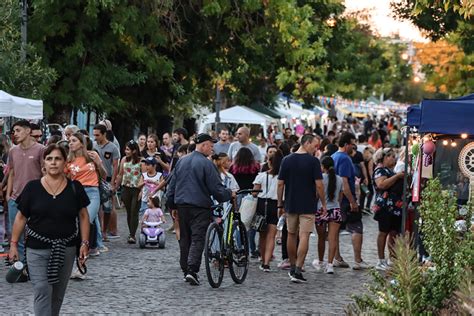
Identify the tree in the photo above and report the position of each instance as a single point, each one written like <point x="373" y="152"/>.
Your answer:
<point x="445" y="68"/>
<point x="29" y="78"/>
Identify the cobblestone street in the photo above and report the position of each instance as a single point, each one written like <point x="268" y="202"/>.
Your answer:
<point x="131" y="280"/>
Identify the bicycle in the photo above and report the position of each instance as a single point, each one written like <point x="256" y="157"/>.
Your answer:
<point x="233" y="250"/>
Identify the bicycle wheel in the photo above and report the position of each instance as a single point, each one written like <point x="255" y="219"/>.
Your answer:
<point x="214" y="255"/>
<point x="239" y="248"/>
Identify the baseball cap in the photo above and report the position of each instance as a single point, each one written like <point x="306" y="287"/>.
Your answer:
<point x="201" y="138"/>
<point x="150" y="161"/>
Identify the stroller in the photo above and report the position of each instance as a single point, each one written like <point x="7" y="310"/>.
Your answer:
<point x="152" y="234"/>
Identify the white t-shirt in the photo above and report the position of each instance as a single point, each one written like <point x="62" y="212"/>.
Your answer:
<point x="229" y="182"/>
<point x="272" y="185"/>
<point x="330" y="204"/>
<point x="150" y="184"/>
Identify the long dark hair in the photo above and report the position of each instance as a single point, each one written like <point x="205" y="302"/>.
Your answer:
<point x="244" y="157"/>
<point x="244" y="162"/>
<point x="328" y="164"/>
<point x="275" y="161"/>
<point x="133" y="146"/>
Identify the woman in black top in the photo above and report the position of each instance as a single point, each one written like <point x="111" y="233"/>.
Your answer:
<point x="51" y="206"/>
<point x="152" y="150"/>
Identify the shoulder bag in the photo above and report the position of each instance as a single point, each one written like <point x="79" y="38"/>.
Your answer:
<point x="259" y="222"/>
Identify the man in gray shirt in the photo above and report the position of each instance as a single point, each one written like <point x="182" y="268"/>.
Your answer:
<point x="223" y="145"/>
<point x="243" y="137"/>
<point x="109" y="154"/>
<point x="195" y="179"/>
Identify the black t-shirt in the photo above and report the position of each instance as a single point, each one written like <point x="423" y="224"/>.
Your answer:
<point x="163" y="157"/>
<point x="49" y="217"/>
<point x="300" y="171"/>
<point x="356" y="160"/>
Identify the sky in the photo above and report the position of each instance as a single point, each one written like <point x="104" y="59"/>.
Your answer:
<point x="382" y="20"/>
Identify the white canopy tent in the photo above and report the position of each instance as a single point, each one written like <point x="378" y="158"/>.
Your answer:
<point x="20" y="107"/>
<point x="238" y="115"/>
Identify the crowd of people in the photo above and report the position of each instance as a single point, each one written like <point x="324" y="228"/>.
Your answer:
<point x="321" y="180"/>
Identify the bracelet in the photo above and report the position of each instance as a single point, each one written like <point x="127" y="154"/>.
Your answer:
<point x="85" y="243"/>
<point x="281" y="206"/>
<point x="13" y="242"/>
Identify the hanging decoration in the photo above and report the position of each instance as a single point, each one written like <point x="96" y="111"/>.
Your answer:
<point x="429" y="148"/>
<point x="466" y="165"/>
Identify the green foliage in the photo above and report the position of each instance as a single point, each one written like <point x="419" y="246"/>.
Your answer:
<point x="438" y="212"/>
<point x="399" y="293"/>
<point x="30" y="78"/>
<point x="409" y="289"/>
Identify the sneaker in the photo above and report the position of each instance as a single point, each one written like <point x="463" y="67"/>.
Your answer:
<point x="192" y="278"/>
<point x="265" y="268"/>
<point x="103" y="249"/>
<point x="298" y="278"/>
<point x="2" y="250"/>
<point x="113" y="236"/>
<point x="254" y="255"/>
<point x="131" y="240"/>
<point x="291" y="274"/>
<point x="381" y="266"/>
<point x="344" y="232"/>
<point x="340" y="263"/>
<point x="367" y="211"/>
<point x="94" y="252"/>
<point x="76" y="275"/>
<point x="361" y="265"/>
<point x="318" y="265"/>
<point x="330" y="269"/>
<point x="184" y="278"/>
<point x="284" y="265"/>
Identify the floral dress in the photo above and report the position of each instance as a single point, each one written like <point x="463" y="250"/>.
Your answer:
<point x="131" y="174"/>
<point x="389" y="200"/>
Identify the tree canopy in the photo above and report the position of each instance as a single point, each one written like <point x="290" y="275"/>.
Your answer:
<point x="143" y="59"/>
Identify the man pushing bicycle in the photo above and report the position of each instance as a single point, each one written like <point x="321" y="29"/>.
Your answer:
<point x="195" y="180"/>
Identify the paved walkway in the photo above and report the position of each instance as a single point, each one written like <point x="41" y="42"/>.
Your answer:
<point x="132" y="280"/>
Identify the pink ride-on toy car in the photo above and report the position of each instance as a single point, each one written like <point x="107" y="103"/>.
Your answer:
<point x="152" y="234"/>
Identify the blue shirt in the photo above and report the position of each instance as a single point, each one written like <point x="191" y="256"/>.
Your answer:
<point x="345" y="168"/>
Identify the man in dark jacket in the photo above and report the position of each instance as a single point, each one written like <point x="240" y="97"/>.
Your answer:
<point x="195" y="179"/>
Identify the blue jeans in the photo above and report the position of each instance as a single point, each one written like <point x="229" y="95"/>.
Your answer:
<point x="142" y="210"/>
<point x="94" y="205"/>
<point x="12" y="211"/>
<point x="93" y="210"/>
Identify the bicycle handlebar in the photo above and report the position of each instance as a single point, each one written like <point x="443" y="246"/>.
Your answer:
<point x="248" y="191"/>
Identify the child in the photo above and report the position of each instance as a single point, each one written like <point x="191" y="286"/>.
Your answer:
<point x="222" y="163"/>
<point x="153" y="213"/>
<point x="333" y="189"/>
<point x="151" y="179"/>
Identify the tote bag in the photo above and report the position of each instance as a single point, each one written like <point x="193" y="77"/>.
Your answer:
<point x="247" y="210"/>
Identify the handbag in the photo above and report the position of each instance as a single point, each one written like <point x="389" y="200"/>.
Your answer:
<point x="259" y="222"/>
<point x="247" y="210"/>
<point x="105" y="191"/>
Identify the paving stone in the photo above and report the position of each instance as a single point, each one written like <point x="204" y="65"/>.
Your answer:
<point x="132" y="281"/>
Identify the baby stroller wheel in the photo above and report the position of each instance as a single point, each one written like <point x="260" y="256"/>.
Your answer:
<point x="162" y="240"/>
<point x="142" y="240"/>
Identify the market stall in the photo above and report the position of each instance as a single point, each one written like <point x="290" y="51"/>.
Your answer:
<point x="238" y="115"/>
<point x="446" y="134"/>
<point x="23" y="108"/>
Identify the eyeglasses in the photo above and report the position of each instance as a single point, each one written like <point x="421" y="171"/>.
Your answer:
<point x="36" y="136"/>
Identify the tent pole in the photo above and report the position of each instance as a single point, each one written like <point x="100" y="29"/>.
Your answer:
<point x="405" y="182"/>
